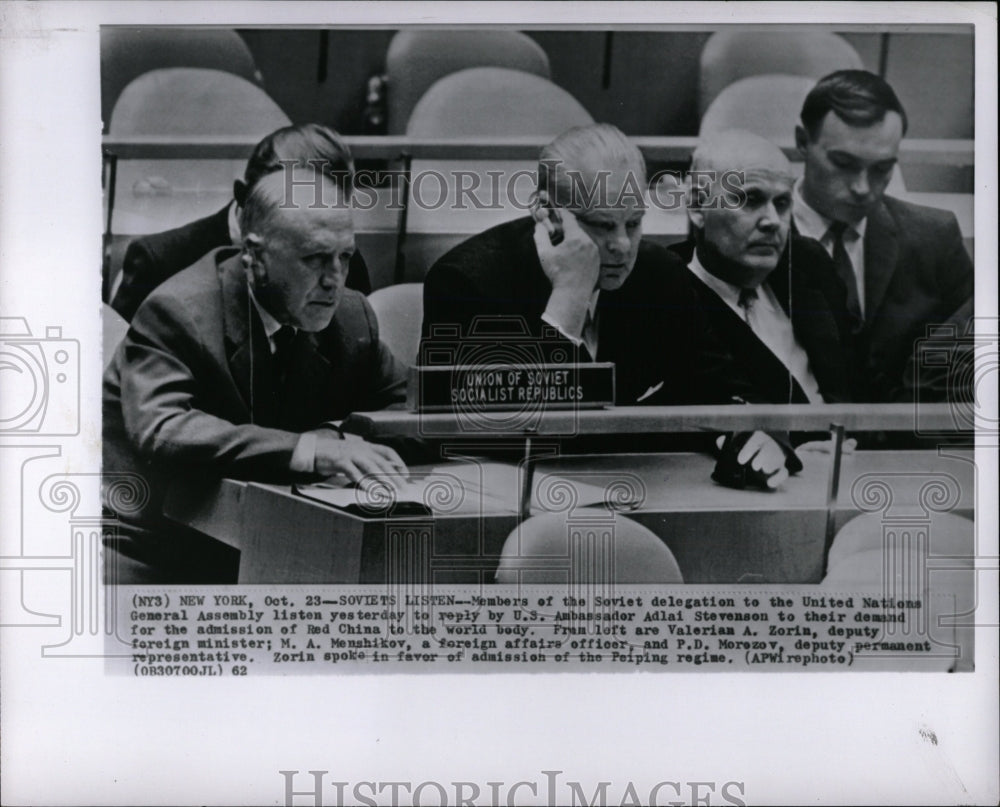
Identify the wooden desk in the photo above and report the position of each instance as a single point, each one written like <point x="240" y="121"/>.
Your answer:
<point x="718" y="535"/>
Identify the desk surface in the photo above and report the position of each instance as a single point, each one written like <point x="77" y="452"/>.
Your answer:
<point x="718" y="534"/>
<point x="655" y="420"/>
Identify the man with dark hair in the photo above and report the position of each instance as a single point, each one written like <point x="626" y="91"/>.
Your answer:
<point x="580" y="279"/>
<point x="151" y="259"/>
<point x="903" y="267"/>
<point x="235" y="367"/>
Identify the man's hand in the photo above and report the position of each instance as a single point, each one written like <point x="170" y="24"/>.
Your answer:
<point x="355" y="458"/>
<point x="761" y="455"/>
<point x="572" y="267"/>
<point x="766" y="457"/>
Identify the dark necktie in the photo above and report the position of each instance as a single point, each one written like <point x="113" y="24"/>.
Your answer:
<point x="283" y="340"/>
<point x="845" y="271"/>
<point x="746" y="301"/>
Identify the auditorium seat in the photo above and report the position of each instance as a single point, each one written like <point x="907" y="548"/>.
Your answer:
<point x="767" y="105"/>
<point x="495" y="101"/>
<point x="179" y="102"/>
<point x="127" y="53"/>
<point x="399" y="310"/>
<point x="737" y="53"/>
<point x="481" y="102"/>
<point x="923" y="555"/>
<point x="554" y="548"/>
<point x="417" y="58"/>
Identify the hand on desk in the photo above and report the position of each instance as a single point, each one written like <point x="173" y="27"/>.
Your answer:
<point x="750" y="460"/>
<point x="355" y="457"/>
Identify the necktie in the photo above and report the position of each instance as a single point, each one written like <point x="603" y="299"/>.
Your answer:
<point x="746" y="301"/>
<point x="845" y="271"/>
<point x="589" y="336"/>
<point x="283" y="339"/>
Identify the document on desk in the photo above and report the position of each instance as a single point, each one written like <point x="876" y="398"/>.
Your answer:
<point x="452" y="488"/>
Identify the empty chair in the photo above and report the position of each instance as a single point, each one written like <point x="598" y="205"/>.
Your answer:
<point x="127" y="53"/>
<point x="191" y="101"/>
<point x="480" y="102"/>
<point x="155" y="195"/>
<point x="767" y="105"/>
<point x="552" y="548"/>
<point x="910" y="560"/>
<point x="400" y="312"/>
<point x="737" y="53"/>
<point x="495" y="101"/>
<point x="417" y="58"/>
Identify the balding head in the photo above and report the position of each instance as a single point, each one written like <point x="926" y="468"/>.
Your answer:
<point x="739" y="205"/>
<point x="740" y="152"/>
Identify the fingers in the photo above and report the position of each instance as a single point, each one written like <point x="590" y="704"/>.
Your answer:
<point x="765" y="457"/>
<point x="826" y="446"/>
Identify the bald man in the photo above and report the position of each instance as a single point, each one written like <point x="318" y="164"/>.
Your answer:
<point x="580" y="282"/>
<point x="775" y="302"/>
<point x="232" y="367"/>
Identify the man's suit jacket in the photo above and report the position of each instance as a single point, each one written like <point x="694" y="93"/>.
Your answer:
<point x="816" y="305"/>
<point x="652" y="328"/>
<point x="151" y="259"/>
<point x="190" y="390"/>
<point x="917" y="273"/>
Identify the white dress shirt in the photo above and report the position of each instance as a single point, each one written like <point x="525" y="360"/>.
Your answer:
<point x="589" y="337"/>
<point x="817" y="226"/>
<point x="769" y="322"/>
<point x="304" y="455"/>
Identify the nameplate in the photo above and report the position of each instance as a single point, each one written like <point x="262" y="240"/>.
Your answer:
<point x="510" y="387"/>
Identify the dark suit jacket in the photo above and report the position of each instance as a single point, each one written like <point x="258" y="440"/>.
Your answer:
<point x="189" y="390"/>
<point x="652" y="328"/>
<point x="816" y="305"/>
<point x="917" y="273"/>
<point x="151" y="259"/>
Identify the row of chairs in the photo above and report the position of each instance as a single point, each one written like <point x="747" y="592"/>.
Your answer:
<point x="415" y="61"/>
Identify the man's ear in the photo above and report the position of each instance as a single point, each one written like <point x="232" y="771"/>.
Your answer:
<point x="694" y="197"/>
<point x="801" y="139"/>
<point x="240" y="191"/>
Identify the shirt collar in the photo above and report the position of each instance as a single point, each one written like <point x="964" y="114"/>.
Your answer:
<point x="593" y="303"/>
<point x="815" y="225"/>
<point x="271" y="325"/>
<point x="729" y="293"/>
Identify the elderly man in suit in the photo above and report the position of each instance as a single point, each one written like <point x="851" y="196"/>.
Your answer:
<point x="150" y="260"/>
<point x="580" y="281"/>
<point x="235" y="367"/>
<point x="773" y="300"/>
<point x="904" y="267"/>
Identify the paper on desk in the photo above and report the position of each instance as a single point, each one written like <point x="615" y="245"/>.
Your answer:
<point x="459" y="488"/>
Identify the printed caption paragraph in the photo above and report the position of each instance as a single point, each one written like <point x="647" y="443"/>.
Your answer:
<point x="179" y="631"/>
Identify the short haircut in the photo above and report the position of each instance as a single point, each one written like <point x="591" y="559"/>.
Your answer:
<point x="304" y="144"/>
<point x="577" y="148"/>
<point x="857" y="97"/>
<point x="287" y="188"/>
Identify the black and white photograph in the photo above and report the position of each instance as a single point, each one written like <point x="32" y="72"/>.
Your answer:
<point x="602" y="373"/>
